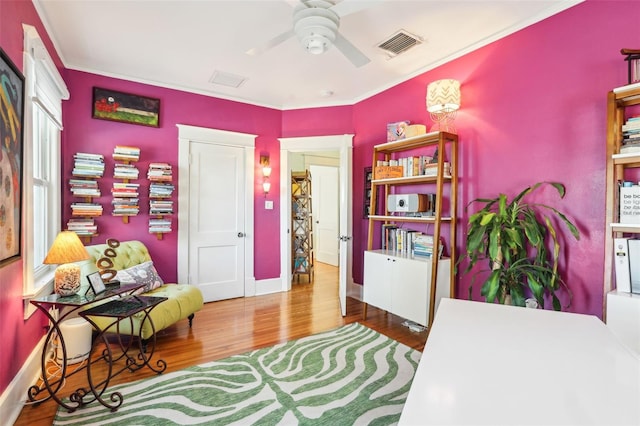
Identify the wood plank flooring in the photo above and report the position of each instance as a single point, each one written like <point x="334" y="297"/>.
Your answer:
<point x="235" y="326"/>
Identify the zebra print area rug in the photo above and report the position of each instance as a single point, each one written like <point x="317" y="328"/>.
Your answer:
<point x="348" y="376"/>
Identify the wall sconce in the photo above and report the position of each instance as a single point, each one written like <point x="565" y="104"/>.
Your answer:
<point x="633" y="57"/>
<point x="443" y="100"/>
<point x="266" y="172"/>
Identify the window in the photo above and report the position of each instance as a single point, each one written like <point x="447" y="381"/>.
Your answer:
<point x="44" y="92"/>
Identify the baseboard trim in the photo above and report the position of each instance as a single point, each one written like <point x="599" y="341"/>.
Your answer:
<point x="12" y="400"/>
<point x="355" y="291"/>
<point x="269" y="286"/>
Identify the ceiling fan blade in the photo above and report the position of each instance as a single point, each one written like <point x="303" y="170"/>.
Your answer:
<point x="347" y="7"/>
<point x="352" y="53"/>
<point x="271" y="43"/>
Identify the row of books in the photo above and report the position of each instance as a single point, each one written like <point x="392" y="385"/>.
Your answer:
<point x="416" y="166"/>
<point x="631" y="135"/>
<point x="408" y="241"/>
<point x="88" y="165"/>
<point x="126" y="153"/>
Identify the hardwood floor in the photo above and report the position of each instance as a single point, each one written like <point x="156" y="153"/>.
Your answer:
<point x="230" y="327"/>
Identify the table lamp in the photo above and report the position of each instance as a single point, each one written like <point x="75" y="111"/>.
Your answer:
<point x="66" y="249"/>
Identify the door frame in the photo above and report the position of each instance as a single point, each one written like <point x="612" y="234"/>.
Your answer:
<point x="340" y="143"/>
<point x="186" y="135"/>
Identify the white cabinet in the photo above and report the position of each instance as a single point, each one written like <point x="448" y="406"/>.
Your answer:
<point x="400" y="285"/>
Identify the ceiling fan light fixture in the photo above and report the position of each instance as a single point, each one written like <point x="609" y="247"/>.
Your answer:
<point x="316" y="45"/>
<point x="316" y="27"/>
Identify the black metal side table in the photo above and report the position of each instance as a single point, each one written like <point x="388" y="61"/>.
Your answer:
<point x="66" y="305"/>
<point x="130" y="347"/>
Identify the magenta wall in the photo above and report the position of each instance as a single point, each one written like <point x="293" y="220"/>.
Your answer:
<point x="18" y="337"/>
<point x="83" y="133"/>
<point x="533" y="109"/>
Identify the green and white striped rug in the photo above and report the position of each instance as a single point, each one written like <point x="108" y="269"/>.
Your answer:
<point x="348" y="376"/>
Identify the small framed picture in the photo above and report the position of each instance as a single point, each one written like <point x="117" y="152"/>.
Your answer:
<point x="96" y="283"/>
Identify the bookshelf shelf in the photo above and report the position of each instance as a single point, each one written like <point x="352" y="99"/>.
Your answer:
<point x="396" y="280"/>
<point x="623" y="105"/>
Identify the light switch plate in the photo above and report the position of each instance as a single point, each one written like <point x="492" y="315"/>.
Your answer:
<point x="268" y="205"/>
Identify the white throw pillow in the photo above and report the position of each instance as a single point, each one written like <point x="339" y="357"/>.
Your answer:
<point x="144" y="273"/>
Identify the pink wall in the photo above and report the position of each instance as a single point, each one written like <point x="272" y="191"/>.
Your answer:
<point x="83" y="133"/>
<point x="533" y="109"/>
<point x="18" y="337"/>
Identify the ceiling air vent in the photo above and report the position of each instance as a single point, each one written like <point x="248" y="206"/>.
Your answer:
<point x="227" y="79"/>
<point x="399" y="43"/>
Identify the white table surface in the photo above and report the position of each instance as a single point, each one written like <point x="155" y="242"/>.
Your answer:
<point x="490" y="364"/>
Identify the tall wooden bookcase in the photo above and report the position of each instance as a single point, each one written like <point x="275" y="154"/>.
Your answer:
<point x="301" y="225"/>
<point x="444" y="183"/>
<point x="618" y="101"/>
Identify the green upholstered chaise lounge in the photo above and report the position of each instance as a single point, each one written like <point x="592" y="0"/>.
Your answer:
<point x="183" y="300"/>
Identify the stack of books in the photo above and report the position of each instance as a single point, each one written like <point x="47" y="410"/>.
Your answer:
<point x="125" y="199"/>
<point x="83" y="227"/>
<point x="126" y="153"/>
<point x="159" y="226"/>
<point x="423" y="246"/>
<point x="84" y="188"/>
<point x="125" y="171"/>
<point x="160" y="190"/>
<point x="160" y="207"/>
<point x="125" y="206"/>
<point x="125" y="189"/>
<point x="432" y="169"/>
<point x="159" y="172"/>
<point x="88" y="165"/>
<point x="86" y="209"/>
<point x="631" y="136"/>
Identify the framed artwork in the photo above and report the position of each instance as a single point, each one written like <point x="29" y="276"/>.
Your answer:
<point x="125" y="107"/>
<point x="96" y="283"/>
<point x="11" y="151"/>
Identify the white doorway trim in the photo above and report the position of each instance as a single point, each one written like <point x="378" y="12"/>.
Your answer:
<point x="343" y="144"/>
<point x="187" y="134"/>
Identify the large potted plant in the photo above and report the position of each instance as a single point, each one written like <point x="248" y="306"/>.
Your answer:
<point x="519" y="245"/>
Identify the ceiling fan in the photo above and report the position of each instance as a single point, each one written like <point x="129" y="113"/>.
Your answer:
<point x="315" y="24"/>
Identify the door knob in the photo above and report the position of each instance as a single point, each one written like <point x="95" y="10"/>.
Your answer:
<point x="241" y="234"/>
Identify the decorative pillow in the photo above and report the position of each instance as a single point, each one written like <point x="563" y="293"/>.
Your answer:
<point x="144" y="273"/>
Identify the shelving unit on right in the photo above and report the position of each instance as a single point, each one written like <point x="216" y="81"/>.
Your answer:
<point x="398" y="281"/>
<point x="622" y="103"/>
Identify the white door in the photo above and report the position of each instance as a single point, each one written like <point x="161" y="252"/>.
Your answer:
<point x="216" y="220"/>
<point x="325" y="207"/>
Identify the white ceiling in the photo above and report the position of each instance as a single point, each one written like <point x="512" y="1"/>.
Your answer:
<point x="180" y="44"/>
